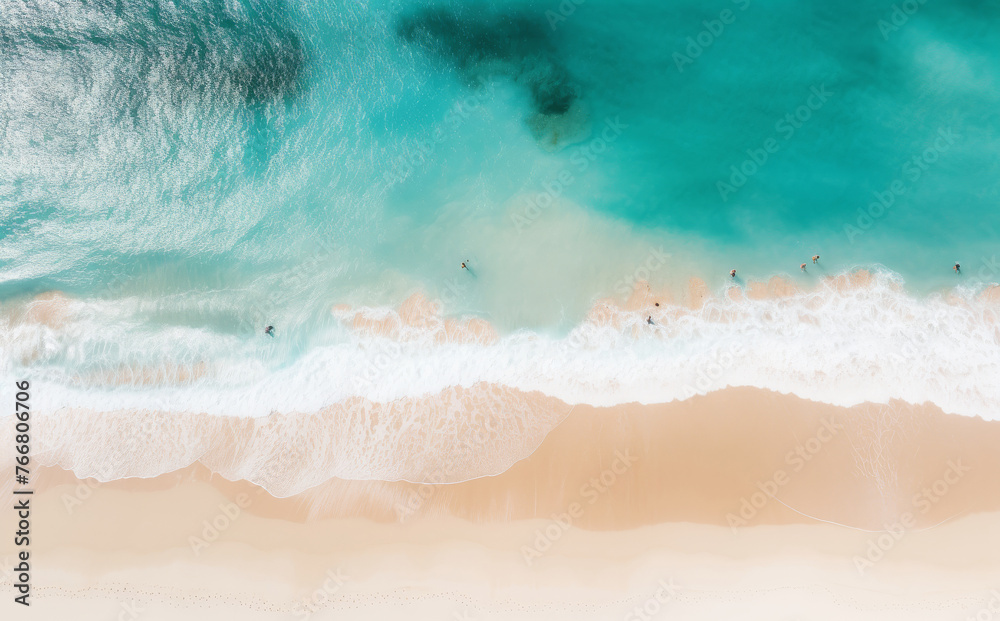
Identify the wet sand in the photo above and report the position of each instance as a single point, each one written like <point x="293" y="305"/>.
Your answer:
<point x="749" y="501"/>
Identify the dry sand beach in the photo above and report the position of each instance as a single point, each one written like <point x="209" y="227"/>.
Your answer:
<point x="499" y="310"/>
<point x="730" y="505"/>
<point x="491" y="502"/>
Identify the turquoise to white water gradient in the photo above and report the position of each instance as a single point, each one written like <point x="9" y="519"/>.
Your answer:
<point x="193" y="171"/>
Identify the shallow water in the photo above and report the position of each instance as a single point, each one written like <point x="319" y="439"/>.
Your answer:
<point x="191" y="174"/>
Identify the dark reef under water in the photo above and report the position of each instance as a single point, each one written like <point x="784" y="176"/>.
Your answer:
<point x="480" y="47"/>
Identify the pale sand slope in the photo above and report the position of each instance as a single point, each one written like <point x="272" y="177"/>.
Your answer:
<point x="700" y="460"/>
<point x="490" y="548"/>
<point x="125" y="548"/>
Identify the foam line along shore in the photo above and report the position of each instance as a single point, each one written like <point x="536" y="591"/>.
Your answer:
<point x="842" y="340"/>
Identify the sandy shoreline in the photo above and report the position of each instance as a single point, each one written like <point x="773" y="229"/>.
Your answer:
<point x="131" y="550"/>
<point x="736" y="457"/>
<point x="747" y="500"/>
<point x="844" y="339"/>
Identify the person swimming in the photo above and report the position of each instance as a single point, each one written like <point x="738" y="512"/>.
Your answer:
<point x="269" y="331"/>
<point x="815" y="258"/>
<point x="467" y="266"/>
<point x="732" y="273"/>
<point x="958" y="268"/>
<point x="802" y="267"/>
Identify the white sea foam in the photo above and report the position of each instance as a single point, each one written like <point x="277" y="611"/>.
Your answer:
<point x="453" y="436"/>
<point x="400" y="395"/>
<point x="839" y="346"/>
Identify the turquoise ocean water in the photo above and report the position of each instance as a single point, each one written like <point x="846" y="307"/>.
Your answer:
<point x="189" y="172"/>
